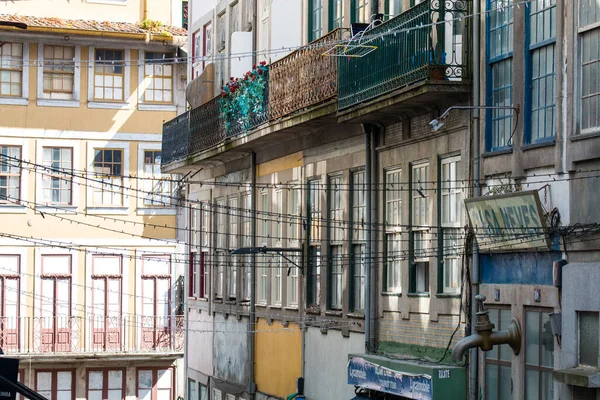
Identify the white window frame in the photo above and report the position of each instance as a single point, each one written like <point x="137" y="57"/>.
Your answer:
<point x="23" y="100"/>
<point x="422" y="231"/>
<point x="277" y="281"/>
<point x="24" y="183"/>
<point x="233" y="239"/>
<point x="46" y="102"/>
<point x="579" y="32"/>
<point x="145" y="209"/>
<point x="109" y="210"/>
<point x="395" y="231"/>
<point x="118" y="105"/>
<point x="142" y="105"/>
<point x="75" y="184"/>
<point x="37" y="283"/>
<point x="452" y="226"/>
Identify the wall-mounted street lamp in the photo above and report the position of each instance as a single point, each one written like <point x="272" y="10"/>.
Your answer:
<point x="437" y="123"/>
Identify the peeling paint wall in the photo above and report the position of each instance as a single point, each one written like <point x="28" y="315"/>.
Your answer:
<point x="231" y="349"/>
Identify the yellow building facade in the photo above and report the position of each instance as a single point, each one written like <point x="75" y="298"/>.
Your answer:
<point x="90" y="266"/>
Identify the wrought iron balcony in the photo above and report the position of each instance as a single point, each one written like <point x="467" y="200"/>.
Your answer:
<point x="428" y="42"/>
<point x="303" y="78"/>
<point x="175" y="138"/>
<point x="127" y="334"/>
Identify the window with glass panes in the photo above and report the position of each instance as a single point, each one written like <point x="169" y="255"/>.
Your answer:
<point x="221" y="216"/>
<point x="499" y="73"/>
<point x="358" y="235"/>
<point x="203" y="392"/>
<point x="246" y="242"/>
<point x="393" y="7"/>
<point x="313" y="287"/>
<point x="336" y="237"/>
<point x="451" y="217"/>
<point x="278" y="217"/>
<point x="292" y="283"/>
<point x="58" y="175"/>
<point x="293" y="215"/>
<point x="106" y="384"/>
<point x="107" y="281"/>
<point x="498" y="384"/>
<point x="55" y="384"/>
<point x="108" y="169"/>
<point x="315" y="19"/>
<point x="420" y="222"/>
<point x="264" y="264"/>
<point x="195" y="255"/>
<point x="158" y="75"/>
<point x="155" y="384"/>
<point x="232" y="273"/>
<point x="276" y="273"/>
<point x="588" y="338"/>
<point x="10" y="283"/>
<point x="192" y="389"/>
<point x="393" y="230"/>
<point x="335" y="14"/>
<point x="539" y="355"/>
<point x="264" y="218"/>
<point x="360" y="12"/>
<point x="10" y="174"/>
<point x="206" y="230"/>
<point x="158" y="189"/>
<point x="58" y="71"/>
<point x="589" y="59"/>
<point x="11" y="70"/>
<point x="109" y="75"/>
<point x="541" y="36"/>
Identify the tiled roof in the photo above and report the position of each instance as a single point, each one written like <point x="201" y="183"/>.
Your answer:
<point x="88" y="25"/>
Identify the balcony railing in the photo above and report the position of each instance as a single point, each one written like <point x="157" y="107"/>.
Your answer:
<point x="130" y="334"/>
<point x="206" y="126"/>
<point x="426" y="42"/>
<point x="175" y="138"/>
<point x="303" y="78"/>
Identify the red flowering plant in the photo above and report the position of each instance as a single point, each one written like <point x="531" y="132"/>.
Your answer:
<point x="242" y="100"/>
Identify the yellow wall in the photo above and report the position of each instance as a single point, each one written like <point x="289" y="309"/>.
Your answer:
<point x="278" y="358"/>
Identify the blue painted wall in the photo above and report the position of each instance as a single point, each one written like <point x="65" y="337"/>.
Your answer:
<point x="533" y="268"/>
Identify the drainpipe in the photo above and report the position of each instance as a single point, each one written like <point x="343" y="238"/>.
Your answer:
<point x="474" y="356"/>
<point x="370" y="279"/>
<point x="374" y="9"/>
<point x="252" y="322"/>
<point x="373" y="240"/>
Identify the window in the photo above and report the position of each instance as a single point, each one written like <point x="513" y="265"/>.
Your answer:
<point x="106" y="384"/>
<point x="207" y="44"/>
<point x="59" y="71"/>
<point x="11" y="70"/>
<point x="541" y="26"/>
<point x="217" y="395"/>
<point x="234" y="218"/>
<point x="58" y="176"/>
<point x="295" y="214"/>
<point x="499" y="73"/>
<point x="108" y="167"/>
<point x="246" y="242"/>
<point x="10" y="175"/>
<point x="393" y="7"/>
<point x="451" y="215"/>
<point x="358" y="240"/>
<point x="314" y="254"/>
<point x="192" y="389"/>
<point x="203" y="392"/>
<point x="156" y="302"/>
<point x="360" y="11"/>
<point x="336" y="237"/>
<point x="276" y="285"/>
<point x="589" y="43"/>
<point x="393" y="230"/>
<point x="498" y="384"/>
<point x="235" y="18"/>
<point x="420" y="222"/>
<point x="158" y="190"/>
<point x="292" y="283"/>
<point x="109" y="77"/>
<point x="279" y="215"/>
<point x="10" y="286"/>
<point x="197" y="54"/>
<point x="539" y="355"/>
<point x="155" y="384"/>
<point x="336" y="14"/>
<point x="55" y="384"/>
<point x="107" y="278"/>
<point x="221" y="250"/>
<point x="158" y="76"/>
<point x="264" y="220"/>
<point x="588" y="338"/>
<point x="194" y="259"/>
<point x="55" y="304"/>
<point x="222" y="39"/>
<point x="315" y="23"/>
<point x="199" y="256"/>
<point x="264" y="263"/>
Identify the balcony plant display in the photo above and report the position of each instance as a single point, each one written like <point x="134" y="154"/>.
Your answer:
<point x="244" y="101"/>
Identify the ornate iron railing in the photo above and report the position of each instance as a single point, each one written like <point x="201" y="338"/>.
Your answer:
<point x="175" y="139"/>
<point x="206" y="126"/>
<point x="426" y="42"/>
<point x="303" y="78"/>
<point x="92" y="334"/>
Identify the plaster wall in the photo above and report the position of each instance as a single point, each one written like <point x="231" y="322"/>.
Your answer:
<point x="199" y="348"/>
<point x="231" y="349"/>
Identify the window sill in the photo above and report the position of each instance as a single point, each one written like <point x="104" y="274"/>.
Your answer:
<point x="108" y="210"/>
<point x="274" y="307"/>
<point x="418" y="295"/>
<point x="291" y="308"/>
<point x="391" y="294"/>
<point x="263" y="305"/>
<point x="13" y="209"/>
<point x="333" y="313"/>
<point x="58" y="103"/>
<point x="15" y="101"/>
<point x="157" y="107"/>
<point x="545" y="143"/>
<point x="448" y="295"/>
<point x="49" y="209"/>
<point x="156" y="211"/>
<point x="356" y="315"/>
<point x="313" y="311"/>
<point x="231" y="302"/>
<point x="111" y="106"/>
<point x="497" y="152"/>
<point x="218" y="301"/>
<point x="583" y="136"/>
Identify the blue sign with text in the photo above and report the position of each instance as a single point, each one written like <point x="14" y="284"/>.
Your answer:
<point x="375" y="377"/>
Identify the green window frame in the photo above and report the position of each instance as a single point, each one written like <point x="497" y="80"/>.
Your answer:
<point x="359" y="11"/>
<point x="315" y="19"/>
<point x="336" y="14"/>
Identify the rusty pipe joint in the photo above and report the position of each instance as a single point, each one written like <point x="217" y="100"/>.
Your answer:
<point x="485" y="337"/>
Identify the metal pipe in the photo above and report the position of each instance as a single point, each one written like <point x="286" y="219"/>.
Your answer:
<point x="367" y="129"/>
<point x="373" y="240"/>
<point x="374" y="9"/>
<point x="473" y="359"/>
<point x="252" y="322"/>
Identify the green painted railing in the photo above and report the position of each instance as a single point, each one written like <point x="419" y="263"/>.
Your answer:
<point x="412" y="47"/>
